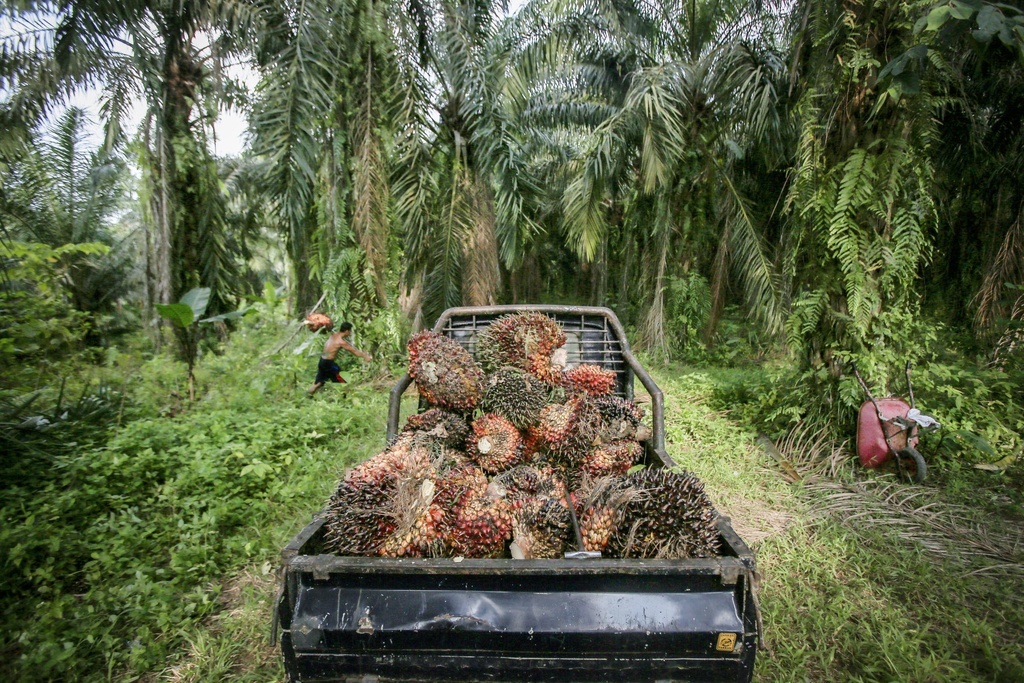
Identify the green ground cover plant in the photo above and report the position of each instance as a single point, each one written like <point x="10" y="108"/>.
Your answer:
<point x="124" y="538"/>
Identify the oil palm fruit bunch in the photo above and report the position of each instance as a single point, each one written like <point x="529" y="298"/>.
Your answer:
<point x="592" y="379"/>
<point x="526" y="481"/>
<point x="541" y="528"/>
<point x="523" y="340"/>
<point x="494" y="443"/>
<point x="357" y="520"/>
<point x="669" y="517"/>
<point x="601" y="507"/>
<point x="457" y="486"/>
<point x="418" y="521"/>
<point x="444" y="372"/>
<point x="318" y="321"/>
<point x="448" y="428"/>
<point x="614" y="458"/>
<point x="514" y="394"/>
<point x="482" y="527"/>
<point x="620" y="419"/>
<point x="569" y="429"/>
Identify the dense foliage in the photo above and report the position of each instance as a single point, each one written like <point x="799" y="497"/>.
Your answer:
<point x="121" y="511"/>
<point x="784" y="188"/>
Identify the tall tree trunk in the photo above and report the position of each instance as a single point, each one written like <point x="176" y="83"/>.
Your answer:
<point x="599" y="274"/>
<point x="652" y="331"/>
<point x="525" y="281"/>
<point x="482" y="276"/>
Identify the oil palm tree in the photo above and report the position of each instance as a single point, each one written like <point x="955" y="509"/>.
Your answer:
<point x="169" y="53"/>
<point x="665" y="100"/>
<point x="320" y="118"/>
<point x="60" y="194"/>
<point x="460" y="182"/>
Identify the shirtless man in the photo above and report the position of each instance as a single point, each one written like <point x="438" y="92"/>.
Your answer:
<point x="328" y="370"/>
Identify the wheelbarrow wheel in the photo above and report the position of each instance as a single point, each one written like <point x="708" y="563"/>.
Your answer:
<point x="911" y="465"/>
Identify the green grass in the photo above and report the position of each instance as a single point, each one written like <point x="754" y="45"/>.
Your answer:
<point x="842" y="601"/>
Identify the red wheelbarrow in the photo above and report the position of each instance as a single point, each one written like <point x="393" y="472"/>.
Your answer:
<point x="888" y="428"/>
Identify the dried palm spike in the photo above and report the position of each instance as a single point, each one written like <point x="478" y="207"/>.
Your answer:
<point x="670" y="517"/>
<point x="541" y="527"/>
<point x="620" y="419"/>
<point x="444" y="372"/>
<point x="516" y="395"/>
<point x="482" y="528"/>
<point x="494" y="443"/>
<point x="592" y="379"/>
<point x="523" y="340"/>
<point x="357" y="521"/>
<point x="613" y="458"/>
<point x="448" y="428"/>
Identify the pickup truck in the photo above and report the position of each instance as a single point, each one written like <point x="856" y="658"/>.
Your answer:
<point x="571" y="619"/>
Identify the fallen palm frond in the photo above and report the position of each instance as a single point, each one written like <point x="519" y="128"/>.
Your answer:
<point x="912" y="514"/>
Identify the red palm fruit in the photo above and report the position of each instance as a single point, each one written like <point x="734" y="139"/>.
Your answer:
<point x="613" y="458"/>
<point x="422" y="536"/>
<point x="448" y="428"/>
<point x="600" y="505"/>
<point x="569" y="429"/>
<point x="533" y="443"/>
<point x="522" y="340"/>
<point x="597" y="526"/>
<point x="445" y="373"/>
<point x="482" y="528"/>
<point x="318" y="321"/>
<point x="457" y="486"/>
<point x="592" y="379"/>
<point x="494" y="443"/>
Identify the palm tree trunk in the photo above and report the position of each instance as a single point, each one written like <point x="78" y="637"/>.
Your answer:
<point x="482" y="279"/>
<point x="652" y="331"/>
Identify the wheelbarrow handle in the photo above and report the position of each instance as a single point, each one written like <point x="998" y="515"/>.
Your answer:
<point x="863" y="384"/>
<point x="910" y="387"/>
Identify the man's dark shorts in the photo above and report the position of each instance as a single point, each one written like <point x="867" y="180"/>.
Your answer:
<point x="328" y="371"/>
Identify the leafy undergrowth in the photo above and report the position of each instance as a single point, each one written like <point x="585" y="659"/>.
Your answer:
<point x="175" y="579"/>
<point x="844" y="597"/>
<point x="115" y="551"/>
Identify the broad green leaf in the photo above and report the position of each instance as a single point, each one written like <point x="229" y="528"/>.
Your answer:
<point x="233" y="315"/>
<point x="181" y="315"/>
<point x="197" y="299"/>
<point x="961" y="10"/>
<point x="972" y="439"/>
<point x="990" y="20"/>
<point x="937" y="17"/>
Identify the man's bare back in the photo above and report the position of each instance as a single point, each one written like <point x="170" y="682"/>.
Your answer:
<point x="335" y="343"/>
